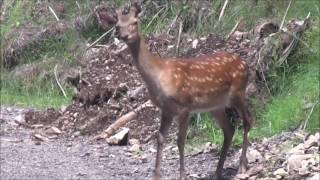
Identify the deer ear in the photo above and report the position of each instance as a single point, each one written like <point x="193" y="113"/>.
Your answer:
<point x="119" y="13"/>
<point x="135" y="9"/>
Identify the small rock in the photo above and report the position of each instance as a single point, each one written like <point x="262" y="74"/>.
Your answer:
<point x="152" y="150"/>
<point x="168" y="148"/>
<point x="121" y="138"/>
<point x="254" y="156"/>
<point x="255" y="170"/>
<point x="295" y="160"/>
<point x="135" y="148"/>
<point x="195" y="43"/>
<point x="134" y="141"/>
<point x="175" y="148"/>
<point x="75" y="115"/>
<point x="76" y="133"/>
<point x="170" y="47"/>
<point x="40" y="137"/>
<point x="253" y="178"/>
<point x="37" y="143"/>
<point x="196" y="176"/>
<point x="312" y="140"/>
<point x="203" y="38"/>
<point x="144" y="159"/>
<point x="315" y="177"/>
<point x="133" y="94"/>
<point x="281" y="172"/>
<point x="242" y="176"/>
<point x="54" y="130"/>
<point x="37" y="126"/>
<point x="208" y="147"/>
<point x="63" y="109"/>
<point x="299" y="149"/>
<point x="136" y="170"/>
<point x="85" y="154"/>
<point x="303" y="171"/>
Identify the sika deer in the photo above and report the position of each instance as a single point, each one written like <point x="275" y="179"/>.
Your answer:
<point x="181" y="86"/>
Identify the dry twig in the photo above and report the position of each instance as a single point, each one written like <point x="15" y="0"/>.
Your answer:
<point x="122" y="121"/>
<point x="102" y="36"/>
<point x="179" y="38"/>
<point x="223" y="9"/>
<point x="233" y="30"/>
<point x="56" y="77"/>
<point x="54" y="14"/>
<point x="309" y="115"/>
<point x="285" y="14"/>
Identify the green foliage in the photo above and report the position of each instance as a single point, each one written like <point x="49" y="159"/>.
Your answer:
<point x="294" y="85"/>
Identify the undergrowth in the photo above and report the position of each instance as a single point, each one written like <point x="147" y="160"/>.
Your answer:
<point x="295" y="86"/>
<point x="294" y="102"/>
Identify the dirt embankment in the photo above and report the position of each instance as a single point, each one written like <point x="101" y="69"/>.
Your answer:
<point x="109" y="86"/>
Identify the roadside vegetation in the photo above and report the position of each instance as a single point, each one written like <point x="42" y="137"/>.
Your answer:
<point x="294" y="100"/>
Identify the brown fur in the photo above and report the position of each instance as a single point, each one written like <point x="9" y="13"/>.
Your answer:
<point x="181" y="86"/>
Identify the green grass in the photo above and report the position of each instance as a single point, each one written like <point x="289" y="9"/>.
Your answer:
<point x="68" y="47"/>
<point x="38" y="99"/>
<point x="39" y="93"/>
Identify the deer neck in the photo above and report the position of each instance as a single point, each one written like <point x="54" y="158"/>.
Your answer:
<point x="147" y="64"/>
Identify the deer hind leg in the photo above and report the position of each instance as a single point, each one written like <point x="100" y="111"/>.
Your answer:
<point x="241" y="106"/>
<point x="228" y="131"/>
<point x="166" y="120"/>
<point x="183" y="121"/>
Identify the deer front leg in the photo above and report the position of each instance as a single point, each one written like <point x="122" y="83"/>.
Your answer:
<point x="183" y="121"/>
<point x="166" y="119"/>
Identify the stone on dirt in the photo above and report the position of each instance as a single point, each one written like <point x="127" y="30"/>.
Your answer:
<point x="280" y="172"/>
<point x="242" y="176"/>
<point x="135" y="148"/>
<point x="254" y="156"/>
<point x="295" y="160"/>
<point x="313" y="140"/>
<point x="121" y="138"/>
<point x="41" y="137"/>
<point x="315" y="177"/>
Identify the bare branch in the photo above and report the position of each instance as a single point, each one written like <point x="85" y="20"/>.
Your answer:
<point x="233" y="29"/>
<point x="309" y="115"/>
<point x="179" y="38"/>
<point x="102" y="36"/>
<point x="56" y="77"/>
<point x="285" y="14"/>
<point x="122" y="121"/>
<point x="54" y="14"/>
<point x="223" y="9"/>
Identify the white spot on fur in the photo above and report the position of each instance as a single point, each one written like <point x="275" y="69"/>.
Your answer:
<point x="234" y="57"/>
<point x="234" y="74"/>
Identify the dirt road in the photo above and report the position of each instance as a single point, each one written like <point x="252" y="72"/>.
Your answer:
<point x="23" y="157"/>
<point x="81" y="158"/>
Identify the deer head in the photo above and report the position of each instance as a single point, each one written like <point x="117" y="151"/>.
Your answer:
<point x="127" y="25"/>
